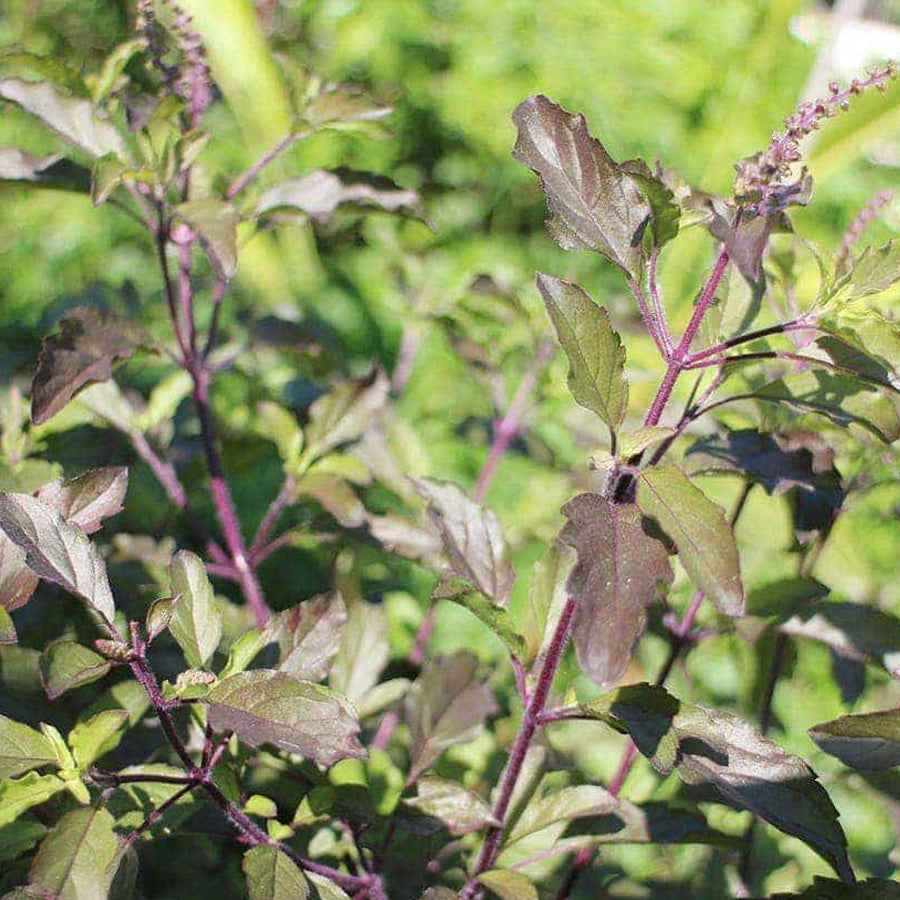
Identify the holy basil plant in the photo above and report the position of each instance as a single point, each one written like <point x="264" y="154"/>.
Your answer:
<point x="322" y="748"/>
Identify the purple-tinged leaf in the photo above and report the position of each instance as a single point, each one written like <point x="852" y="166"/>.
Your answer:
<point x="17" y="581"/>
<point x="595" y="204"/>
<point x="460" y="810"/>
<point x="720" y="751"/>
<point x="75" y="120"/>
<point x="701" y="533"/>
<point x="621" y="569"/>
<point x="54" y="171"/>
<point x="195" y="621"/>
<point x="853" y="630"/>
<point x="745" y="243"/>
<point x="869" y="741"/>
<point x="446" y="705"/>
<point x="268" y="707"/>
<point x="421" y="543"/>
<point x="309" y="635"/>
<point x="87" y="499"/>
<point x="273" y="875"/>
<point x="364" y="650"/>
<point x="473" y="539"/>
<point x="79" y="859"/>
<point x="66" y="665"/>
<point x="88" y="342"/>
<point x="57" y="551"/>
<point x="215" y="223"/>
<point x="22" y="748"/>
<point x="595" y="351"/>
<point x="319" y="193"/>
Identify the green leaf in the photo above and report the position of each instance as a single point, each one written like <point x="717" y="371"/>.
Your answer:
<point x="718" y="751"/>
<point x="698" y="527"/>
<point x="446" y="705"/>
<point x="621" y="569"/>
<point x="595" y="204"/>
<point x="96" y="736"/>
<point x="461" y="811"/>
<point x="19" y="837"/>
<point x="872" y="272"/>
<point x="665" y="213"/>
<point x="66" y="665"/>
<point x="7" y="626"/>
<point x="268" y="707"/>
<point x="498" y="620"/>
<point x="547" y="596"/>
<point x="280" y="427"/>
<point x="319" y="193"/>
<point x="344" y="413"/>
<point x="89" y="341"/>
<point x="196" y="622"/>
<point x="78" y="860"/>
<point x="20" y="794"/>
<point x="870" y="741"/>
<point x="335" y="495"/>
<point x="595" y="351"/>
<point x="273" y="875"/>
<point x="364" y="650"/>
<point x="473" y="539"/>
<point x="75" y="120"/>
<point x="325" y="889"/>
<point x="509" y="885"/>
<point x="54" y="171"/>
<point x="258" y="805"/>
<point x="22" y="748"/>
<point x="336" y="105"/>
<point x="570" y="803"/>
<point x="110" y="76"/>
<point x="215" y="223"/>
<point x="57" y="551"/>
<point x="310" y="634"/>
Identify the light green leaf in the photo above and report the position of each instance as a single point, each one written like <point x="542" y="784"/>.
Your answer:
<point x="7" y="626"/>
<point x="509" y="885"/>
<point x="872" y="272"/>
<point x="96" y="736"/>
<point x="700" y="531"/>
<point x="364" y="650"/>
<point x="19" y="794"/>
<point x="272" y="875"/>
<point x="497" y="619"/>
<point x="22" y="748"/>
<point x="461" y="811"/>
<point x="335" y="495"/>
<point x="565" y="805"/>
<point x="75" y="120"/>
<point x="546" y="598"/>
<point x="596" y="353"/>
<point x="66" y="665"/>
<point x="195" y="622"/>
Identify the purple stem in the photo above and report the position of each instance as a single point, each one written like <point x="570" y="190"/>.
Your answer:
<point x="682" y="351"/>
<point x="273" y="513"/>
<point x="658" y="309"/>
<point x="507" y="429"/>
<point x="222" y="498"/>
<point x="530" y="717"/>
<point x="243" y="180"/>
<point x="163" y="472"/>
<point x="782" y="328"/>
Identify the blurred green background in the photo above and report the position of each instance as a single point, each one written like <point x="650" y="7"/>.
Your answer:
<point x="693" y="83"/>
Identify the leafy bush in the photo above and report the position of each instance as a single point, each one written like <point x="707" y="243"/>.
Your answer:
<point x="436" y="762"/>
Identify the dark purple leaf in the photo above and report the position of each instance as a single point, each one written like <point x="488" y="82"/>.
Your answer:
<point x="621" y="569"/>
